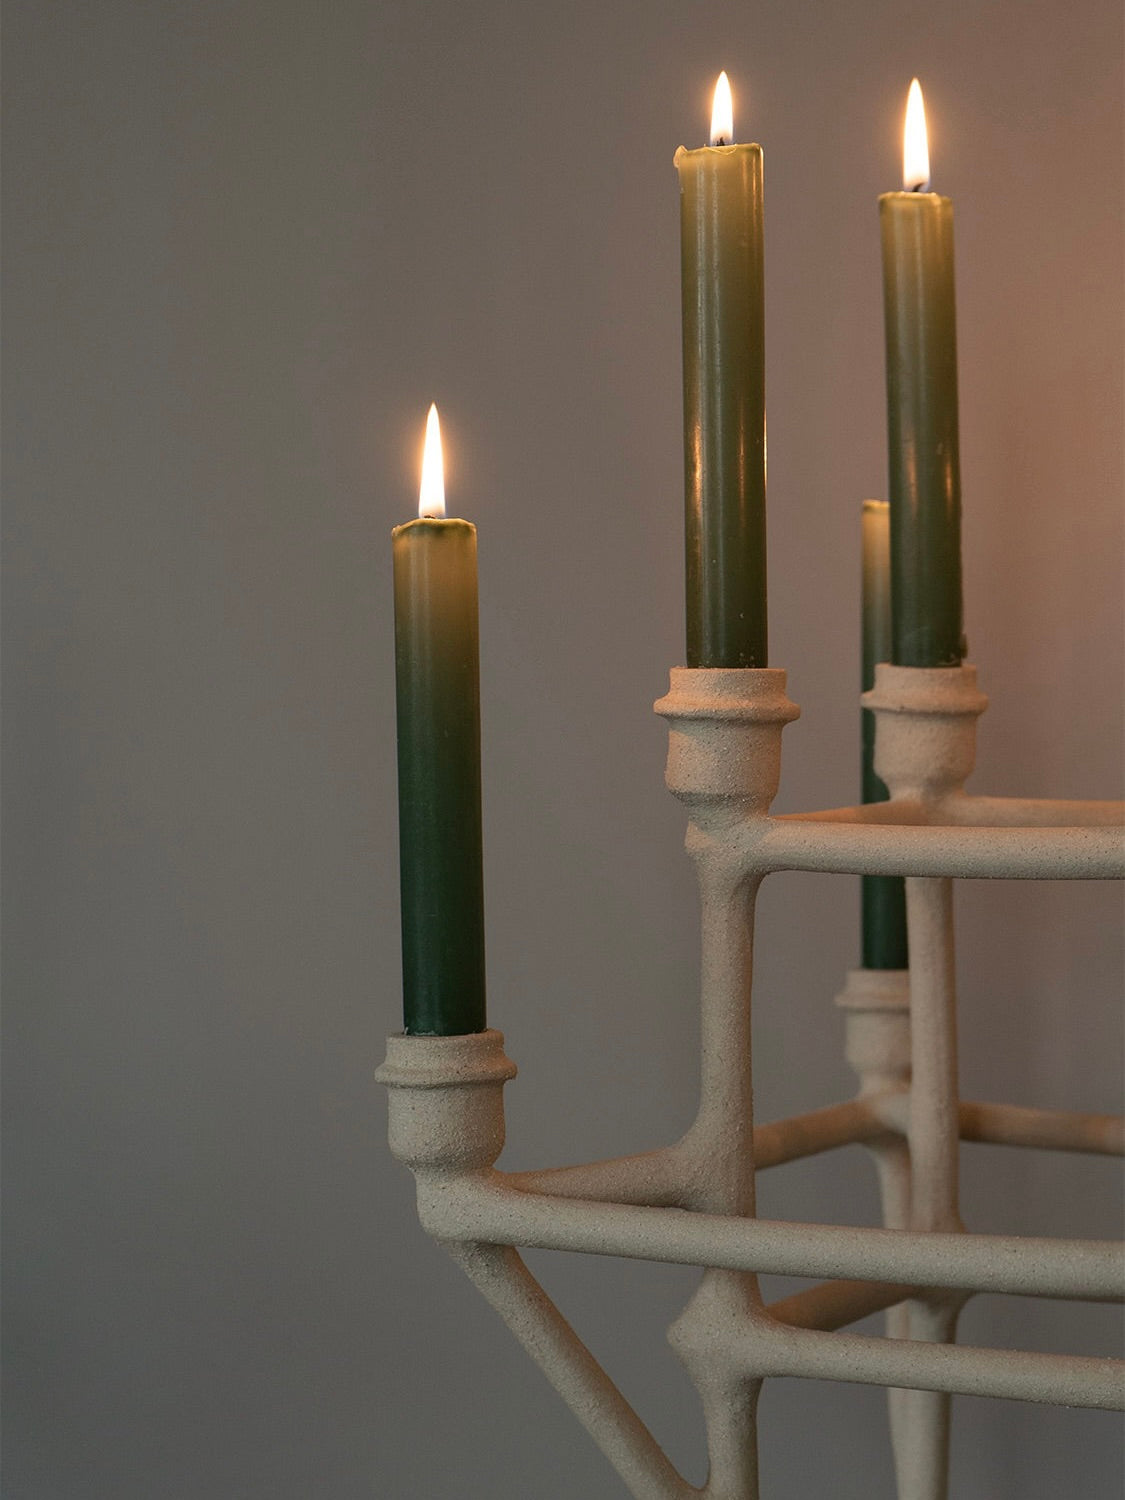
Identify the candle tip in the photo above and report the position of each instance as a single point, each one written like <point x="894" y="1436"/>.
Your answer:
<point x="915" y="146"/>
<point x="722" y="113"/>
<point x="431" y="496"/>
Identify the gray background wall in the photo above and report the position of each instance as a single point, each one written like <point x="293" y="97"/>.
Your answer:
<point x="246" y="244"/>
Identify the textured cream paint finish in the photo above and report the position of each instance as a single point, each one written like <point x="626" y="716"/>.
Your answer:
<point x="446" y="1118"/>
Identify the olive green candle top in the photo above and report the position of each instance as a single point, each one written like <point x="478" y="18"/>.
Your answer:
<point x="724" y="404"/>
<point x="923" y="450"/>
<point x="883" y="897"/>
<point x="437" y="677"/>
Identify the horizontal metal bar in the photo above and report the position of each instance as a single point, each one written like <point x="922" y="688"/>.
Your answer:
<point x="1019" y="1375"/>
<point x="661" y="1178"/>
<point x="835" y="1304"/>
<point x="1028" y="812"/>
<point x="652" y="1178"/>
<point x="896" y="813"/>
<point x="963" y="853"/>
<point x="965" y="811"/>
<point x="1016" y="1125"/>
<point x="485" y="1209"/>
<point x="819" y="1130"/>
<point x="1049" y="1129"/>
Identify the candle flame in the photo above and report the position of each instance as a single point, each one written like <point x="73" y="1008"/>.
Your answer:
<point x="431" y="497"/>
<point x="915" y="147"/>
<point x="722" y="114"/>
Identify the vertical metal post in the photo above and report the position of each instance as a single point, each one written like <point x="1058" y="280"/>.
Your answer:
<point x="723" y="1135"/>
<point x="877" y="1004"/>
<point x="724" y="764"/>
<point x="921" y="1434"/>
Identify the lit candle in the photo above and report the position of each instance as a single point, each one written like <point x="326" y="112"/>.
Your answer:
<point x="437" y="676"/>
<point x="925" y="476"/>
<point x="883" y="896"/>
<point x="724" y="396"/>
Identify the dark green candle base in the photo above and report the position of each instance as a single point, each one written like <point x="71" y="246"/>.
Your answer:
<point x="437" y="677"/>
<point x="883" y="897"/>
<point x="884" y="922"/>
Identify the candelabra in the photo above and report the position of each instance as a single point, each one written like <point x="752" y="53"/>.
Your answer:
<point x="692" y="1203"/>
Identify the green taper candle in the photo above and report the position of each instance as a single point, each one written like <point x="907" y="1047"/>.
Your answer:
<point x="924" y="463"/>
<point x="724" y="397"/>
<point x="883" y="896"/>
<point x="437" y="675"/>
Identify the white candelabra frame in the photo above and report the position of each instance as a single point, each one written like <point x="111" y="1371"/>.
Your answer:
<point x="692" y="1203"/>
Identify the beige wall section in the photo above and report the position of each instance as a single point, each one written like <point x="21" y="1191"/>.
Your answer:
<point x="244" y="247"/>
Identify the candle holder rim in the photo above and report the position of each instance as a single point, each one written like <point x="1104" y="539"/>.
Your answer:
<point x="734" y="694"/>
<point x="925" y="690"/>
<point x="914" y="196"/>
<point x="433" y="1062"/>
<point x="433" y="521"/>
<point x="728" y="150"/>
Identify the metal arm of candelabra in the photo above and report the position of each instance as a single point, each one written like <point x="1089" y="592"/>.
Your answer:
<point x="693" y="1202"/>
